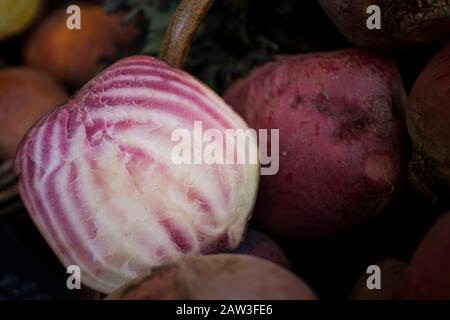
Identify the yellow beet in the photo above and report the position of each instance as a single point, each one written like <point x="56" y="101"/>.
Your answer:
<point x="16" y="16"/>
<point x="77" y="55"/>
<point x="25" y="95"/>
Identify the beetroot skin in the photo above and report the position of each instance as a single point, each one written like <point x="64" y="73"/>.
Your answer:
<point x="403" y="23"/>
<point x="260" y="245"/>
<point x="428" y="118"/>
<point x="427" y="276"/>
<point x="340" y="143"/>
<point x="217" y="277"/>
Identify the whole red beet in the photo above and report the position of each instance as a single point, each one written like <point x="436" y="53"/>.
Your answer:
<point x="428" y="274"/>
<point x="428" y="119"/>
<point x="217" y="277"/>
<point x="340" y="139"/>
<point x="258" y="244"/>
<point x="402" y="23"/>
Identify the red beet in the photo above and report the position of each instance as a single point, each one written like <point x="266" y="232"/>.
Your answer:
<point x="428" y="119"/>
<point x="428" y="274"/>
<point x="260" y="245"/>
<point x="403" y="23"/>
<point x="341" y="139"/>
<point x="217" y="277"/>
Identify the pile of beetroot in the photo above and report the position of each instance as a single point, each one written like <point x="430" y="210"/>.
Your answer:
<point x="363" y="179"/>
<point x="346" y="127"/>
<point x="353" y="143"/>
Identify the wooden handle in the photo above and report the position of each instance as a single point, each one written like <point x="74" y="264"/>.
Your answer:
<point x="181" y="30"/>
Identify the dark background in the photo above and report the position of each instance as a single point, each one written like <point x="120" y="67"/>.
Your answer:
<point x="236" y="40"/>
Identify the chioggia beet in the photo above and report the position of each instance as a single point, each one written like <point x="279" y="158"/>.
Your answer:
<point x="428" y="274"/>
<point x="25" y="96"/>
<point x="428" y="120"/>
<point x="340" y="139"/>
<point x="391" y="277"/>
<point x="258" y="244"/>
<point x="217" y="277"/>
<point x="401" y="23"/>
<point x="99" y="179"/>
